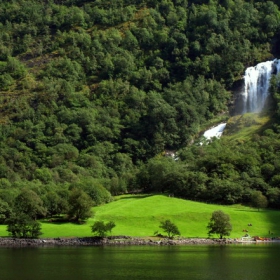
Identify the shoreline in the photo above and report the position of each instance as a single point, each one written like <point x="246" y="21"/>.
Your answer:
<point x="113" y="241"/>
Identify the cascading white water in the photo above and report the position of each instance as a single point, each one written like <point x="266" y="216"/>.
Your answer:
<point x="256" y="91"/>
<point x="256" y="85"/>
<point x="216" y="131"/>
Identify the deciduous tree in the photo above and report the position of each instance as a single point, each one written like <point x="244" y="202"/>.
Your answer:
<point x="30" y="204"/>
<point x="170" y="228"/>
<point x="258" y="200"/>
<point x="101" y="228"/>
<point x="22" y="226"/>
<point x="5" y="211"/>
<point x="79" y="205"/>
<point x="219" y="224"/>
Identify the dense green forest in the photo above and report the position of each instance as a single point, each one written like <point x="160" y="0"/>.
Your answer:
<point x="94" y="92"/>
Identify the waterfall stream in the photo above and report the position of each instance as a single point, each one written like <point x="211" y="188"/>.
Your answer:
<point x="256" y="85"/>
<point x="255" y="93"/>
<point x="216" y="131"/>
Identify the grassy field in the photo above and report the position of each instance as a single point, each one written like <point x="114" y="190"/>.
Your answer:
<point x="139" y="215"/>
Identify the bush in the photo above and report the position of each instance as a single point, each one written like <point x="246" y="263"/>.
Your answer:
<point x="101" y="228"/>
<point x="22" y="226"/>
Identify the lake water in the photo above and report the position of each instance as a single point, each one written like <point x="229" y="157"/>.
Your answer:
<point x="242" y="262"/>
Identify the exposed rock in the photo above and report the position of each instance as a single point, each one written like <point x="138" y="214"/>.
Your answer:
<point x="113" y="240"/>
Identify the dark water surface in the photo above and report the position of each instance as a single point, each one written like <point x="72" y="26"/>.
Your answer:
<point x="242" y="262"/>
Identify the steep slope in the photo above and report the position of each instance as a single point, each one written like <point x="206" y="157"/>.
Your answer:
<point x="92" y="90"/>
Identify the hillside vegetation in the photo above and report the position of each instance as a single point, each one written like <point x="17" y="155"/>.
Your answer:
<point x="244" y="127"/>
<point x="141" y="216"/>
<point x="93" y="94"/>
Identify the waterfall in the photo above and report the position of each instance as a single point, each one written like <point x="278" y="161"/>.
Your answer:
<point x="254" y="95"/>
<point x="256" y="85"/>
<point x="216" y="131"/>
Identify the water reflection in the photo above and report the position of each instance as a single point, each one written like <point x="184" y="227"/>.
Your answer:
<point x="258" y="262"/>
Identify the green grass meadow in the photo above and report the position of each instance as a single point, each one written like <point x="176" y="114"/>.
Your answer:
<point x="140" y="215"/>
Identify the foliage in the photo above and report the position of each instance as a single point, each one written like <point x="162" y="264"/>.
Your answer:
<point x="93" y="93"/>
<point x="55" y="204"/>
<point x="5" y="211"/>
<point x="30" y="204"/>
<point x="95" y="189"/>
<point x="219" y="224"/>
<point x="258" y="200"/>
<point x="135" y="215"/>
<point x="22" y="226"/>
<point x="170" y="228"/>
<point x="79" y="205"/>
<point x="101" y="228"/>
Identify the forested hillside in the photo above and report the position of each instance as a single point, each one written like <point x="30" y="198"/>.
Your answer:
<point x="93" y="92"/>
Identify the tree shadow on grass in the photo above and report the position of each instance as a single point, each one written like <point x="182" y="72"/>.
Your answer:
<point x="250" y="210"/>
<point x="136" y="196"/>
<point x="61" y="221"/>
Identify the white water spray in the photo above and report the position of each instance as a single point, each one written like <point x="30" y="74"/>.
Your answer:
<point x="216" y="131"/>
<point x="256" y="91"/>
<point x="256" y="88"/>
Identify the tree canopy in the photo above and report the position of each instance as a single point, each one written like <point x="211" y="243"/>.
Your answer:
<point x="170" y="228"/>
<point x="94" y="93"/>
<point x="219" y="224"/>
<point x="101" y="228"/>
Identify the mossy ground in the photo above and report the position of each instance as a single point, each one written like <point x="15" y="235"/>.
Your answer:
<point x="140" y="215"/>
<point x="244" y="127"/>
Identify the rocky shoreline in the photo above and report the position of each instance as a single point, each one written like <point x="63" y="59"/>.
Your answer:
<point x="110" y="241"/>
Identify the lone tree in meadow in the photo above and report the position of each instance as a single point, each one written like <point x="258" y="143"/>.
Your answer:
<point x="101" y="228"/>
<point x="170" y="228"/>
<point x="219" y="224"/>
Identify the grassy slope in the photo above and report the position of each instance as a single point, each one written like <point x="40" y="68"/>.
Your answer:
<point x="141" y="216"/>
<point x="243" y="127"/>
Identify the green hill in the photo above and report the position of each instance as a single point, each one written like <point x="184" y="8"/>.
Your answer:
<point x="95" y="94"/>
<point x="140" y="215"/>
